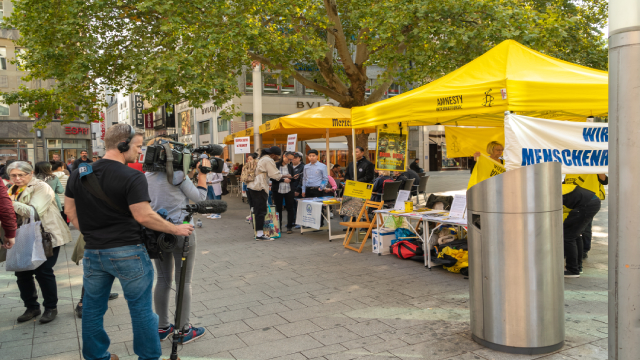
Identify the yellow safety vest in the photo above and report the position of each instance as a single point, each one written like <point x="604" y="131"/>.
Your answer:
<point x="587" y="181"/>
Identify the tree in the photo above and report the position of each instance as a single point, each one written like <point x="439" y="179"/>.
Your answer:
<point x="171" y="51"/>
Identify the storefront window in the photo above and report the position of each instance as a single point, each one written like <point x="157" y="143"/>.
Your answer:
<point x="452" y="163"/>
<point x="16" y="149"/>
<point x="3" y="58"/>
<point x="204" y="127"/>
<point x="223" y="125"/>
<point x="186" y="123"/>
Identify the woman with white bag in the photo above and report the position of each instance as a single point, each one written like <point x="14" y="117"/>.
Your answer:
<point x="29" y="193"/>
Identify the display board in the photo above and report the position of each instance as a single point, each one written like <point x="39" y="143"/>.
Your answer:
<point x="391" y="148"/>
<point x="354" y="196"/>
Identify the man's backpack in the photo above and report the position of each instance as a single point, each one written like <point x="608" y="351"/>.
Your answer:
<point x="249" y="172"/>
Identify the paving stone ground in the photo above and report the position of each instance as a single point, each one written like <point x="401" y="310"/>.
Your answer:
<point x="303" y="297"/>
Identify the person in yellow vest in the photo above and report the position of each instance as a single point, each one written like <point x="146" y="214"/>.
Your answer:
<point x="594" y="183"/>
<point x="580" y="206"/>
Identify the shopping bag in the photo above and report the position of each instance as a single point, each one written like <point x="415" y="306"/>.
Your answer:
<point x="27" y="253"/>
<point x="271" y="223"/>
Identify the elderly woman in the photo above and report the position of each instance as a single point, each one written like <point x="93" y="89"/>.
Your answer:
<point x="29" y="193"/>
<point x="494" y="149"/>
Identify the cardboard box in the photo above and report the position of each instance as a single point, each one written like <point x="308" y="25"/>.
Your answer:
<point x="382" y="240"/>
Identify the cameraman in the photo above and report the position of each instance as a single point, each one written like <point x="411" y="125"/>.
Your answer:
<point x="114" y="245"/>
<point x="173" y="198"/>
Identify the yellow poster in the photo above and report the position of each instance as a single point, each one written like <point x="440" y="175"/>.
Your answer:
<point x="358" y="190"/>
<point x="484" y="169"/>
<point x="463" y="142"/>
<point x="391" y="148"/>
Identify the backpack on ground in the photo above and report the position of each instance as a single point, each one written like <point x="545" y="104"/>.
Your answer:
<point x="407" y="249"/>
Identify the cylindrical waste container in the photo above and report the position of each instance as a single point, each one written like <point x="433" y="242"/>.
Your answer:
<point x="516" y="260"/>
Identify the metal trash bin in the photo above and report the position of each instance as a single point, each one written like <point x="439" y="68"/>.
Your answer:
<point x="516" y="260"/>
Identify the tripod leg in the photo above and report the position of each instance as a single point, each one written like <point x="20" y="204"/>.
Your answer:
<point x="177" y="332"/>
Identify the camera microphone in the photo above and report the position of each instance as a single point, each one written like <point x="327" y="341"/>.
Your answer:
<point x="207" y="207"/>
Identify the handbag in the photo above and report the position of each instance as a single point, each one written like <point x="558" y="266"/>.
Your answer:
<point x="271" y="223"/>
<point x="47" y="238"/>
<point x="28" y="252"/>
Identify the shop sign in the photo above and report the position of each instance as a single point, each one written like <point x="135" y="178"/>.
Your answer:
<point x="103" y="127"/>
<point x="209" y="109"/>
<point x="138" y="106"/>
<point x="76" y="130"/>
<point x="148" y="121"/>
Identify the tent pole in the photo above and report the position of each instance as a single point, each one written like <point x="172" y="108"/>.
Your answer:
<point x="353" y="150"/>
<point x="328" y="161"/>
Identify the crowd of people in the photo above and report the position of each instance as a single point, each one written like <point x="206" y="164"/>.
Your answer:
<point x="110" y="203"/>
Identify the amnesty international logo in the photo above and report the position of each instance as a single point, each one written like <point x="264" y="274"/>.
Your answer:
<point x="488" y="99"/>
<point x="309" y="209"/>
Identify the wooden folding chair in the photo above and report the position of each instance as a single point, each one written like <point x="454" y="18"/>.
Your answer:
<point x="354" y="226"/>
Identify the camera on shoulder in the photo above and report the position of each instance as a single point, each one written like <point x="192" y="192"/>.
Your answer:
<point x="181" y="156"/>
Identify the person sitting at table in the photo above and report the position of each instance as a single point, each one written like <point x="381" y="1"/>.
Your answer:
<point x="415" y="166"/>
<point x="407" y="175"/>
<point x="336" y="173"/>
<point x="378" y="185"/>
<point x="494" y="149"/>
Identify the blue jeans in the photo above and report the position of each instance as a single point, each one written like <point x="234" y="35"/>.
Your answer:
<point x="211" y="195"/>
<point x="132" y="266"/>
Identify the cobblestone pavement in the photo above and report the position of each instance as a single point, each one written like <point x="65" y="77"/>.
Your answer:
<point x="303" y="297"/>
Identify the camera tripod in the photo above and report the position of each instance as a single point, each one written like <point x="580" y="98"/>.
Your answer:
<point x="177" y="331"/>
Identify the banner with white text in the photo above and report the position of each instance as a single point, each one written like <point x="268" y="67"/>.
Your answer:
<point x="581" y="147"/>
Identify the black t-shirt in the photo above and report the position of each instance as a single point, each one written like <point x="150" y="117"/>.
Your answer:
<point x="102" y="226"/>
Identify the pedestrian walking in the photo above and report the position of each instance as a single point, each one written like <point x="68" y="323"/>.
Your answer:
<point x="84" y="158"/>
<point x="43" y="171"/>
<point x="31" y="194"/>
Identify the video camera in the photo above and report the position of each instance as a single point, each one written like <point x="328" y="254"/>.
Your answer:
<point x="182" y="157"/>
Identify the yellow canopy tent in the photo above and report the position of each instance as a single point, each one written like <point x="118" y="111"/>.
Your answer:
<point x="314" y="123"/>
<point x="228" y="140"/>
<point x="320" y="122"/>
<point x="508" y="77"/>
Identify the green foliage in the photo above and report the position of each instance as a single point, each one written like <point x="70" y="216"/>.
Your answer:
<point x="170" y="51"/>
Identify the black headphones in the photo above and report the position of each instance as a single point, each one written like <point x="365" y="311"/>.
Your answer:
<point x="123" y="146"/>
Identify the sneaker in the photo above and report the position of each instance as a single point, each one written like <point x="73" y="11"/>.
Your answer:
<point x="215" y="216"/>
<point x="113" y="296"/>
<point x="289" y="231"/>
<point x="29" y="314"/>
<point x="585" y="255"/>
<point x="581" y="270"/>
<point x="568" y="274"/>
<point x="264" y="238"/>
<point x="192" y="334"/>
<point x="79" y="310"/>
<point x="248" y="219"/>
<point x="164" y="333"/>
<point x="297" y="227"/>
<point x="48" y="316"/>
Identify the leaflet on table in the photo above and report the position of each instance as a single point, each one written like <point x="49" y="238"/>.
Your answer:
<point x="403" y="195"/>
<point x="458" y="207"/>
<point x="318" y="199"/>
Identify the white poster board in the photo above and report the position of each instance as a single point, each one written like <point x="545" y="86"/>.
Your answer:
<point x="458" y="207"/>
<point x="291" y="142"/>
<point x="403" y="195"/>
<point x="309" y="214"/>
<point x="242" y="145"/>
<point x="581" y="147"/>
